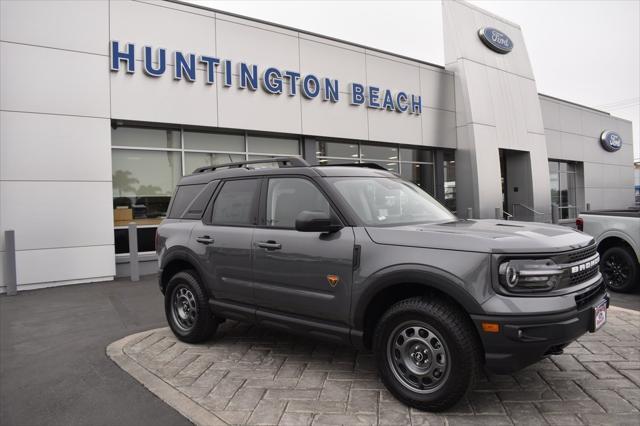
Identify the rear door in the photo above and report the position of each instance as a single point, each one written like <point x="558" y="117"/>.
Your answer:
<point x="223" y="240"/>
<point x="302" y="273"/>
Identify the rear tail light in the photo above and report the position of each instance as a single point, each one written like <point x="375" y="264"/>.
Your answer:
<point x="579" y="224"/>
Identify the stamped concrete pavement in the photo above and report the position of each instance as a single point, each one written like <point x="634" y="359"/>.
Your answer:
<point x="251" y="375"/>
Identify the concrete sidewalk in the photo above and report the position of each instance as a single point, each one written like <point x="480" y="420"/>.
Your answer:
<point x="53" y="366"/>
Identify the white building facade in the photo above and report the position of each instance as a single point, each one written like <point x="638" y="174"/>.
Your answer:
<point x="104" y="105"/>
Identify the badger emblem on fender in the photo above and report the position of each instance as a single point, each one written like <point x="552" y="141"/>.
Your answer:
<point x="333" y="280"/>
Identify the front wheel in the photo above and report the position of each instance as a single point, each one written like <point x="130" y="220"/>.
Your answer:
<point x="427" y="354"/>
<point x="187" y="309"/>
<point x="620" y="269"/>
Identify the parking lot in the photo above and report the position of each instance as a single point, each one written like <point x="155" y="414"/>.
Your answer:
<point x="52" y="346"/>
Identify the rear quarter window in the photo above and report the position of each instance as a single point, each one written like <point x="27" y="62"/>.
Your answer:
<point x="190" y="201"/>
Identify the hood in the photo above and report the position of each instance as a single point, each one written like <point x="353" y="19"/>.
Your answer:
<point x="486" y="236"/>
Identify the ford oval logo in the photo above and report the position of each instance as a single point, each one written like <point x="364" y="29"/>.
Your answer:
<point x="495" y="40"/>
<point x="610" y="140"/>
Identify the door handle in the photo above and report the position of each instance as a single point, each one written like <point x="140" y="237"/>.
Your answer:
<point x="205" y="240"/>
<point x="270" y="245"/>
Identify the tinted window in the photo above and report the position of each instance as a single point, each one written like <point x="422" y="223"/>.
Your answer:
<point x="184" y="196"/>
<point x="235" y="204"/>
<point x="288" y="197"/>
<point x="196" y="209"/>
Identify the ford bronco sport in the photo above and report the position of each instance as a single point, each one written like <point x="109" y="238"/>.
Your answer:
<point x="356" y="255"/>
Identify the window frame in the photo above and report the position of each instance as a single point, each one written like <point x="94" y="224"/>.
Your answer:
<point x="207" y="218"/>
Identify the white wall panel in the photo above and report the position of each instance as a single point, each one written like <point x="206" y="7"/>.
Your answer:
<point x="72" y="25"/>
<point x="570" y="119"/>
<point x="340" y="120"/>
<point x="57" y="214"/>
<point x="258" y="110"/>
<point x="244" y="43"/>
<point x="391" y="126"/>
<point x="54" y="147"/>
<point x="393" y="74"/>
<point x="74" y="83"/>
<point x="572" y="147"/>
<point x="157" y="26"/>
<point x="593" y="175"/>
<point x="77" y="263"/>
<point x="550" y="113"/>
<point x="592" y="123"/>
<point x="554" y="144"/>
<point x="437" y="89"/>
<point x="438" y="128"/>
<point x="163" y="99"/>
<point x="327" y="60"/>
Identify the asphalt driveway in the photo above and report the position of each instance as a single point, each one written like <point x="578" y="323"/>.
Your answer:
<point x="53" y="367"/>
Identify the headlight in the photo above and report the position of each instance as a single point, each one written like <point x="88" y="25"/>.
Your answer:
<point x="529" y="275"/>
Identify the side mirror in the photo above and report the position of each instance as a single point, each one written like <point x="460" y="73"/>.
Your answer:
<point x="308" y="221"/>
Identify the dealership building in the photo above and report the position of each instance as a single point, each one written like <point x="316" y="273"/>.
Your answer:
<point x="106" y="104"/>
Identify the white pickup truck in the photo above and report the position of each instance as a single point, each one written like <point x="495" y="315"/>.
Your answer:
<point x="617" y="233"/>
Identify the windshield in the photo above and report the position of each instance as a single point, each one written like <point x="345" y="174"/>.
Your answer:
<point x="388" y="202"/>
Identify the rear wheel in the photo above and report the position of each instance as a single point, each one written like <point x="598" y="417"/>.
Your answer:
<point x="620" y="269"/>
<point x="187" y="309"/>
<point x="427" y="354"/>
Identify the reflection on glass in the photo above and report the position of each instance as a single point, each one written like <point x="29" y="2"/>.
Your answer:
<point x="278" y="146"/>
<point x="194" y="160"/>
<point x="143" y="137"/>
<point x="422" y="175"/>
<point x="143" y="182"/>
<point x="336" y="149"/>
<point x="416" y="155"/>
<point x="562" y="182"/>
<point x="450" y="181"/>
<point x="213" y="141"/>
<point x="376" y="152"/>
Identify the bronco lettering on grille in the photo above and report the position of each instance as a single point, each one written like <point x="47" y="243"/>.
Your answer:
<point x="584" y="266"/>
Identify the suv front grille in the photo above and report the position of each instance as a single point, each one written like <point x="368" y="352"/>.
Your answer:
<point x="578" y="258"/>
<point x="576" y="255"/>
<point x="582" y="276"/>
<point x="589" y="296"/>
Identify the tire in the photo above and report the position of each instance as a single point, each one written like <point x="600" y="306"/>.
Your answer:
<point x="619" y="269"/>
<point x="187" y="309"/>
<point x="436" y="324"/>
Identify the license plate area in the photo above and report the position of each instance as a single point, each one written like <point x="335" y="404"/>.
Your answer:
<point x="599" y="315"/>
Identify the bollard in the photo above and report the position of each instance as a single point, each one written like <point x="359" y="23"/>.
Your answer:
<point x="555" y="213"/>
<point x="588" y="206"/>
<point x="11" y="271"/>
<point x="469" y="212"/>
<point x="134" y="265"/>
<point x="499" y="213"/>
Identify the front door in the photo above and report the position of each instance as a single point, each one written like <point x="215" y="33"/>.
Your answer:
<point x="304" y="273"/>
<point x="223" y="241"/>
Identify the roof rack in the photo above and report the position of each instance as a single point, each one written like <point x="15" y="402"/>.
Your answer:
<point x="281" y="161"/>
<point x="366" y="165"/>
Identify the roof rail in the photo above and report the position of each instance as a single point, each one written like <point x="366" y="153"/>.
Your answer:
<point x="366" y="165"/>
<point x="281" y="161"/>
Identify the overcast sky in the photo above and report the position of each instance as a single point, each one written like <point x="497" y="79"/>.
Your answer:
<point x="587" y="52"/>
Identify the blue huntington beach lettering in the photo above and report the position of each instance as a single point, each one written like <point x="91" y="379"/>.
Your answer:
<point x="251" y="77"/>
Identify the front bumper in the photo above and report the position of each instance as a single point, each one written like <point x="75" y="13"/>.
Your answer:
<point x="524" y="340"/>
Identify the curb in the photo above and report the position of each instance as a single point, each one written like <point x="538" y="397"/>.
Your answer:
<point x="625" y="310"/>
<point x="167" y="393"/>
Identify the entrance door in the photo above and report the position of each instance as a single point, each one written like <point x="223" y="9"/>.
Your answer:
<point x="503" y="182"/>
<point x="306" y="273"/>
<point x="517" y="184"/>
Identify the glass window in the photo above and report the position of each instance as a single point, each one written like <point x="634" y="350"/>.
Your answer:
<point x="235" y="204"/>
<point x="197" y="208"/>
<point x="277" y="146"/>
<point x="377" y="152"/>
<point x="143" y="137"/>
<point x="194" y="160"/>
<point x="184" y="196"/>
<point x="326" y="161"/>
<point x="143" y="182"/>
<point x="416" y="155"/>
<point x="450" y="181"/>
<point x="213" y="141"/>
<point x="392" y="167"/>
<point x="336" y="149"/>
<point x="562" y="182"/>
<point x="420" y="174"/>
<point x="389" y="202"/>
<point x="287" y="197"/>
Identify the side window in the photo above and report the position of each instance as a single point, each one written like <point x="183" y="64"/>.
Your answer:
<point x="287" y="197"/>
<point x="236" y="202"/>
<point x="184" y="196"/>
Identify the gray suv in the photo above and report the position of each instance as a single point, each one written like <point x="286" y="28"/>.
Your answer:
<point x="359" y="256"/>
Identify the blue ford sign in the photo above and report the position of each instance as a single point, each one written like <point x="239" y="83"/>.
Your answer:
<point x="495" y="40"/>
<point x="272" y="80"/>
<point x="610" y="140"/>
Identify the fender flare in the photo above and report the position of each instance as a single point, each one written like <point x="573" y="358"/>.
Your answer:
<point x="182" y="255"/>
<point x="426" y="276"/>
<point x="614" y="233"/>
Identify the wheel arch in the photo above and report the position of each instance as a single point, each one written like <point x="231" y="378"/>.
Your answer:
<point x="175" y="262"/>
<point x="389" y="287"/>
<point x="617" y="239"/>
